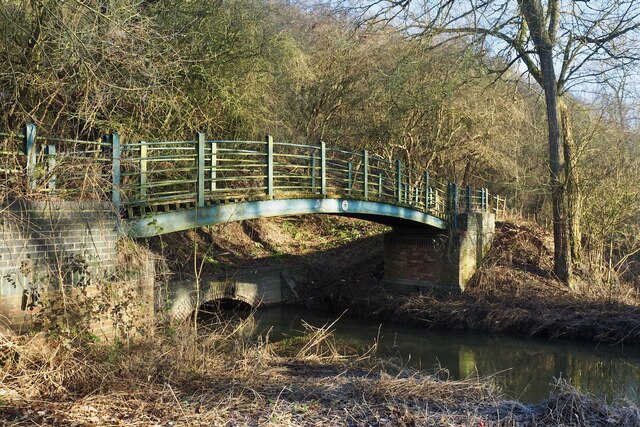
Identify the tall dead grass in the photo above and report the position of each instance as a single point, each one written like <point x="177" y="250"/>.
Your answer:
<point x="177" y="376"/>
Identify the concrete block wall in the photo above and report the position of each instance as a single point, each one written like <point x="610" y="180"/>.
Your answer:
<point x="46" y="244"/>
<point x="474" y="237"/>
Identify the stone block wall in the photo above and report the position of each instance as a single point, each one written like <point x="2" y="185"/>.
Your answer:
<point x="48" y="244"/>
<point x="474" y="238"/>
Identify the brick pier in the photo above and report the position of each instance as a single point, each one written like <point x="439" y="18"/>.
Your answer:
<point x="421" y="259"/>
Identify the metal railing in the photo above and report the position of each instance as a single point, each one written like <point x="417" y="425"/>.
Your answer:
<point x="151" y="176"/>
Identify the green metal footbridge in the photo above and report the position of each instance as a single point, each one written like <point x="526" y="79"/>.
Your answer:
<point x="161" y="187"/>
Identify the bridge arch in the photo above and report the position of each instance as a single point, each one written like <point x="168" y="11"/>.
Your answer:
<point x="254" y="287"/>
<point x="168" y="222"/>
<point x="184" y="304"/>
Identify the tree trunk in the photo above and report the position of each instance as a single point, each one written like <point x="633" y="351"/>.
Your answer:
<point x="561" y="244"/>
<point x="573" y="193"/>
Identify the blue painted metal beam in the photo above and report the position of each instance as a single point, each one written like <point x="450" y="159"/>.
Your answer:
<point x="168" y="222"/>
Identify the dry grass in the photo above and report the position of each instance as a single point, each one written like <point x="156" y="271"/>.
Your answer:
<point x="225" y="377"/>
<point x="520" y="264"/>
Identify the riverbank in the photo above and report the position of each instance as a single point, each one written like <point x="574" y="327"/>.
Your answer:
<point x="514" y="291"/>
<point x="338" y="265"/>
<point x="224" y="377"/>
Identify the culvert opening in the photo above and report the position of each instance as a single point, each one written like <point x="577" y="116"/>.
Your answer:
<point x="222" y="311"/>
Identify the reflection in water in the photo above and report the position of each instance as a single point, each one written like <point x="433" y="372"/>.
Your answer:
<point x="524" y="367"/>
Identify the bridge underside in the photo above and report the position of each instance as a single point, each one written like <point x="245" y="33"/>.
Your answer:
<point x="384" y="213"/>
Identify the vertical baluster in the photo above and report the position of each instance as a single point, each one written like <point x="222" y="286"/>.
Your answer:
<point x="349" y="177"/>
<point x="323" y="168"/>
<point x="51" y="166"/>
<point x="399" y="181"/>
<point x="214" y="165"/>
<point x="427" y="190"/>
<point x="469" y="195"/>
<point x="484" y="199"/>
<point x="365" y="176"/>
<point x="200" y="169"/>
<point x="448" y="204"/>
<point x="379" y="185"/>
<point x="114" y="138"/>
<point x="454" y="202"/>
<point x="270" y="166"/>
<point x="143" y="170"/>
<point x="313" y="171"/>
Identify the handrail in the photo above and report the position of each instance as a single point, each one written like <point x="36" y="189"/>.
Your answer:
<point x="146" y="176"/>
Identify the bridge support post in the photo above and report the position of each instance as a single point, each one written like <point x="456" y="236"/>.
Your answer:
<point x="270" y="166"/>
<point x="30" y="151"/>
<point x="423" y="260"/>
<point x="200" y="169"/>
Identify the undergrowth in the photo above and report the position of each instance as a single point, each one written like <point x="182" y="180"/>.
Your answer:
<point x="224" y="375"/>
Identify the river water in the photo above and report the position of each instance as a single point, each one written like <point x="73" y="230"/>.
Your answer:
<point x="524" y="367"/>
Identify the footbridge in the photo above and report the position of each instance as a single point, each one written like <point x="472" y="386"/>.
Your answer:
<point x="162" y="187"/>
<point x="440" y="230"/>
<point x="167" y="186"/>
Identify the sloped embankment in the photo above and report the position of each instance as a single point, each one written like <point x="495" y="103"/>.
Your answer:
<point x="516" y="291"/>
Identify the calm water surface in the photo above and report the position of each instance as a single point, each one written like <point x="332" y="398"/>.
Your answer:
<point x="524" y="367"/>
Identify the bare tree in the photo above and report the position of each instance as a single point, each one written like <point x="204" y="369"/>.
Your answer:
<point x="562" y="45"/>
